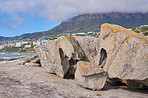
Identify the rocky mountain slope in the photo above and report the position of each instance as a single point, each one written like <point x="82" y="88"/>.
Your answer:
<point x="91" y="22"/>
<point x="3" y="38"/>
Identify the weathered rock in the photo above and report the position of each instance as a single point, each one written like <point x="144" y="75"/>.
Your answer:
<point x="123" y="53"/>
<point x="31" y="61"/>
<point x="32" y="64"/>
<point x="56" y="55"/>
<point x="90" y="76"/>
<point x="90" y="47"/>
<point x="60" y="56"/>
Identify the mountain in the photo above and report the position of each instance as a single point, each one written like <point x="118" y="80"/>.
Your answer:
<point x="92" y="22"/>
<point x="4" y="38"/>
<point x="28" y="36"/>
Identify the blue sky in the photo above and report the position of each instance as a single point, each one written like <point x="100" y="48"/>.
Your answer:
<point x="26" y="24"/>
<point x="27" y="16"/>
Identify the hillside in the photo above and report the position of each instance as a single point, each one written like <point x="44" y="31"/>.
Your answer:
<point x="4" y="38"/>
<point x="141" y="29"/>
<point x="92" y="22"/>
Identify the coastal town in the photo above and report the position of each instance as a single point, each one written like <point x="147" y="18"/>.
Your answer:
<point x="28" y="45"/>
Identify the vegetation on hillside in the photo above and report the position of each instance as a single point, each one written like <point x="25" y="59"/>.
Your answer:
<point x="13" y="49"/>
<point x="141" y="29"/>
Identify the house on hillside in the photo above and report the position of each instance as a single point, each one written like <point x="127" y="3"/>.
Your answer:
<point x="36" y="43"/>
<point x="1" y="47"/>
<point x="74" y="34"/>
<point x="28" y="46"/>
<point x="81" y="33"/>
<point x="44" y="41"/>
<point x="25" y="42"/>
<point x="18" y="44"/>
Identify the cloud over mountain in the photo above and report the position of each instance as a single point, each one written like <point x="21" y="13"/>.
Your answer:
<point x="62" y="9"/>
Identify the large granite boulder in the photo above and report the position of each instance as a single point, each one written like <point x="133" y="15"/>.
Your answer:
<point x="61" y="55"/>
<point x="124" y="54"/>
<point x="90" y="76"/>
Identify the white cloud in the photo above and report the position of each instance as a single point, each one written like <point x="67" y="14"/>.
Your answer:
<point x="12" y="22"/>
<point x="62" y="9"/>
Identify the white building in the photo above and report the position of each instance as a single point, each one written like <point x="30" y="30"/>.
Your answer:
<point x="74" y="34"/>
<point x="81" y="33"/>
<point x="36" y="43"/>
<point x="89" y="32"/>
<point x="10" y="45"/>
<point x="143" y="25"/>
<point x="27" y="46"/>
<point x="130" y="29"/>
<point x="1" y="47"/>
<point x="19" y="44"/>
<point x="25" y="42"/>
<point x="44" y="41"/>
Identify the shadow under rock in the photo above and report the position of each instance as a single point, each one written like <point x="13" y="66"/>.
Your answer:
<point x="109" y="87"/>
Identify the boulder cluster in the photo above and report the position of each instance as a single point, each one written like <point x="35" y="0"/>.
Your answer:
<point x="119" y="54"/>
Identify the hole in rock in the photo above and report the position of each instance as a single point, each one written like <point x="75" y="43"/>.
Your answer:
<point x="103" y="57"/>
<point x="39" y="64"/>
<point x="116" y="82"/>
<point x="64" y="60"/>
<point x="69" y="66"/>
<point x="71" y="70"/>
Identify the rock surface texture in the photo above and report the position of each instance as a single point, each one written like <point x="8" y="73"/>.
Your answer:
<point x="90" y="47"/>
<point x="32" y="61"/>
<point x="124" y="54"/>
<point x="61" y="55"/>
<point x="90" y="76"/>
<point x="18" y="81"/>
